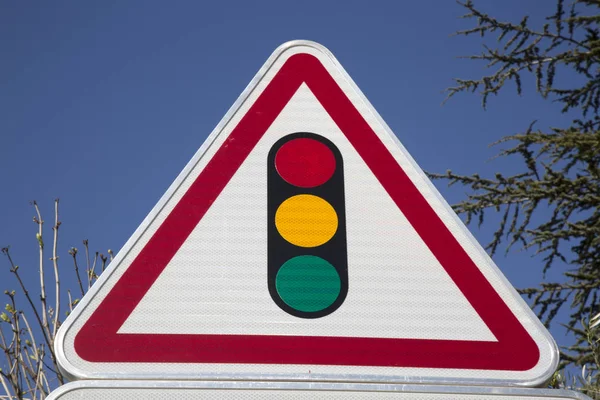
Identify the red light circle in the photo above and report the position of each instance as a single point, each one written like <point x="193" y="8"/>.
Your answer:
<point x="305" y="162"/>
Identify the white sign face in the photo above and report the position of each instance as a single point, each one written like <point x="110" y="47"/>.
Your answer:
<point x="186" y="390"/>
<point x="303" y="242"/>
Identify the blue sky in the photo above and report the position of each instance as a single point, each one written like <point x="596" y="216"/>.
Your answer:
<point x="102" y="104"/>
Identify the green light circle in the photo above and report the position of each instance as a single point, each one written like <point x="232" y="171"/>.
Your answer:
<point x="308" y="283"/>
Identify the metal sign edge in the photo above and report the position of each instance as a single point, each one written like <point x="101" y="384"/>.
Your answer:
<point x="306" y="386"/>
<point x="74" y="373"/>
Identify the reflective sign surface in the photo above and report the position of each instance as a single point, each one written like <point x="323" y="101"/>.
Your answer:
<point x="302" y="242"/>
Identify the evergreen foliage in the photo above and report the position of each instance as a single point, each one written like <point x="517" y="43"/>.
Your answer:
<point x="561" y="166"/>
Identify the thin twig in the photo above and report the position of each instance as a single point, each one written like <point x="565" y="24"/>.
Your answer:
<point x="87" y="258"/>
<point x="40" y="239"/>
<point x="70" y="301"/>
<point x="55" y="265"/>
<point x="73" y="253"/>
<point x="4" y="385"/>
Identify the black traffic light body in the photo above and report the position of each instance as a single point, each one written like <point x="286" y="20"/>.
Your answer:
<point x="306" y="287"/>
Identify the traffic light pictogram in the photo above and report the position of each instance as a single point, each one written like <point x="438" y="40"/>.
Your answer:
<point x="307" y="254"/>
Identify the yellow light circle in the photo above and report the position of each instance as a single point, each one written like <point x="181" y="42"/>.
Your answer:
<point x="305" y="220"/>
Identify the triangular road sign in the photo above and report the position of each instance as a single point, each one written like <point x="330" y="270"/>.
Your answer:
<point x="303" y="242"/>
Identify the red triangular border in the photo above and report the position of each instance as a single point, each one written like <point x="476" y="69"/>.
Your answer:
<point x="98" y="340"/>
